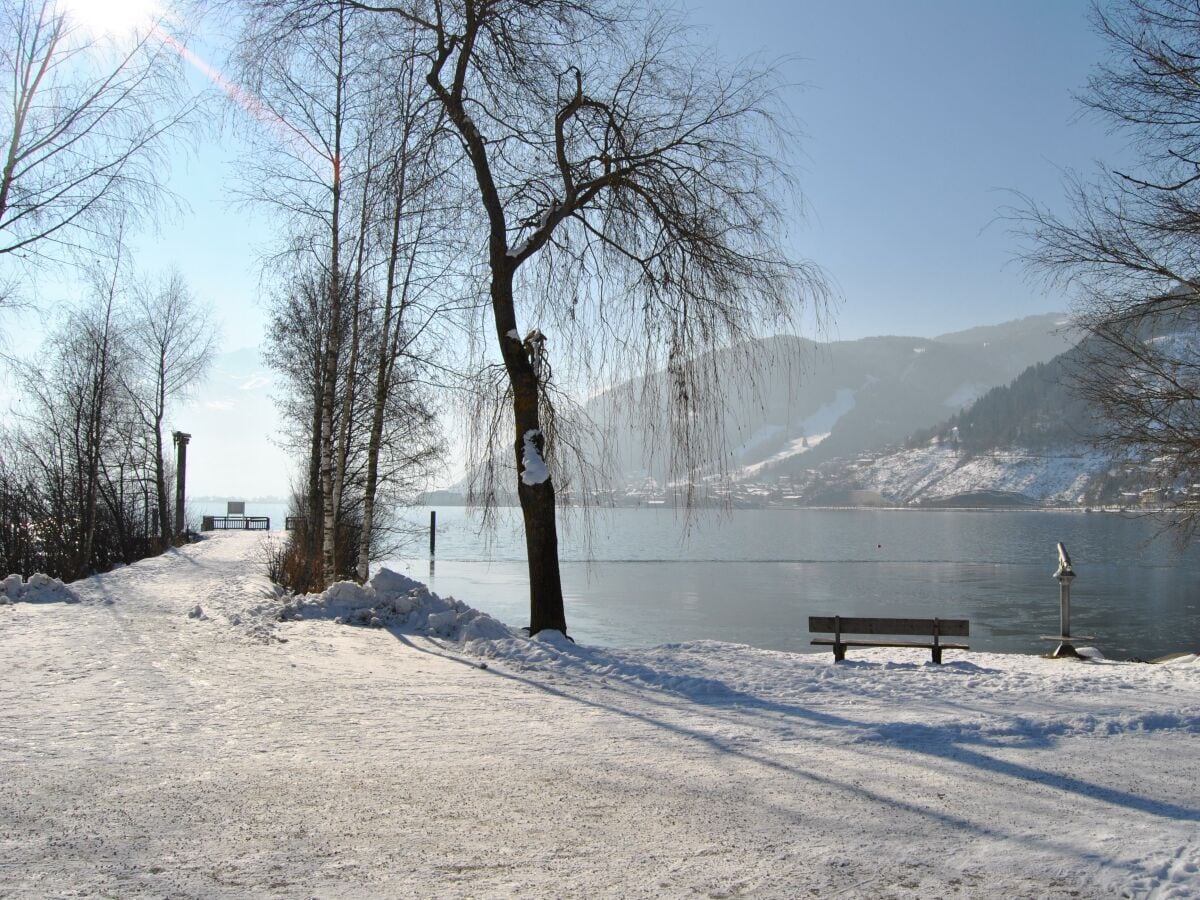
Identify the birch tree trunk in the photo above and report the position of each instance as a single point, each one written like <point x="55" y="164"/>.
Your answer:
<point x="383" y="378"/>
<point x="333" y="347"/>
<point x="160" y="485"/>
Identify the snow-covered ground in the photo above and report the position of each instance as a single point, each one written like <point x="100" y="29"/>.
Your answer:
<point x="169" y="736"/>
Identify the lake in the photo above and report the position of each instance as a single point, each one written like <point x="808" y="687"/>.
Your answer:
<point x="648" y="576"/>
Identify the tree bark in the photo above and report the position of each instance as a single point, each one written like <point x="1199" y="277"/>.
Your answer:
<point x="160" y="485"/>
<point x="546" y="610"/>
<point x="333" y="348"/>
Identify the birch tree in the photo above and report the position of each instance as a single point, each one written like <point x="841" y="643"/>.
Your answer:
<point x="172" y="341"/>
<point x="83" y="127"/>
<point x="351" y="171"/>
<point x="418" y="246"/>
<point x="314" y="168"/>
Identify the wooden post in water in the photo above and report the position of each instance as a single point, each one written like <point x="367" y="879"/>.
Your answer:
<point x="432" y="533"/>
<point x="181" y="442"/>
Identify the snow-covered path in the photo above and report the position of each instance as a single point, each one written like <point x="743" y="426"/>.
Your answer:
<point x="147" y="753"/>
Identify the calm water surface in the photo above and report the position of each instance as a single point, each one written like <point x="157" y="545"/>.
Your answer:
<point x="647" y="576"/>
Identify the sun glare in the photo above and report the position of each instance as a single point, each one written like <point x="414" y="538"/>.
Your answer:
<point x="112" y="18"/>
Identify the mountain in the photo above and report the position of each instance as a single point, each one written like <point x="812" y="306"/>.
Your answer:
<point x="1026" y="443"/>
<point x="816" y="402"/>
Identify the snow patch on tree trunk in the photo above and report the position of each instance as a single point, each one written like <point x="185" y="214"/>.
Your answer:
<point x="533" y="469"/>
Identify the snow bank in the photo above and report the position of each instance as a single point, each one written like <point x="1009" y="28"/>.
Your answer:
<point x="721" y="673"/>
<point x="40" y="588"/>
<point x="394" y="600"/>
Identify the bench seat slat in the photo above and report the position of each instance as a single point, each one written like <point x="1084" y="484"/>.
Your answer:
<point x="858" y="625"/>
<point x="829" y="642"/>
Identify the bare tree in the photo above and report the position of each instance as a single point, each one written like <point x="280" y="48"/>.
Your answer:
<point x="1129" y="245"/>
<point x="75" y="418"/>
<point x="99" y="353"/>
<point x="172" y="340"/>
<point x="419" y="251"/>
<point x="316" y="171"/>
<point x="82" y="127"/>
<point x="350" y="171"/>
<point x="627" y="192"/>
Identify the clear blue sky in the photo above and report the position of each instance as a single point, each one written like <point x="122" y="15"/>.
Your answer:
<point x="918" y="116"/>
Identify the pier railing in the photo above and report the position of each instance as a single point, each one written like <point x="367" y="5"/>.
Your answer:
<point x="235" y="523"/>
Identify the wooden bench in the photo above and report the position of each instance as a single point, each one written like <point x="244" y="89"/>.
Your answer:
<point x="840" y="626"/>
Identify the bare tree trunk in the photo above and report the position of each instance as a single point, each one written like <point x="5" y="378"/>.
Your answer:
<point x="316" y="503"/>
<point x="382" y="377"/>
<point x="345" y="433"/>
<point x="160" y="485"/>
<point x="329" y="511"/>
<point x="160" y="465"/>
<point x="535" y="488"/>
<point x="536" y="495"/>
<point x="333" y="348"/>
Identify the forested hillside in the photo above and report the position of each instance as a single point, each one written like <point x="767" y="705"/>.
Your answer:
<point x="1038" y="410"/>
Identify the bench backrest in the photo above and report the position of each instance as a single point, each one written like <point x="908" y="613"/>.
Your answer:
<point x="852" y="625"/>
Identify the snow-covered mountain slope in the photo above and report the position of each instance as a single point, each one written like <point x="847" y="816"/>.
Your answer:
<point x="940" y="472"/>
<point x="809" y="402"/>
<point x="1031" y="441"/>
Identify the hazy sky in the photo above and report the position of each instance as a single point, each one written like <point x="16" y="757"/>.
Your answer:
<point x="919" y="119"/>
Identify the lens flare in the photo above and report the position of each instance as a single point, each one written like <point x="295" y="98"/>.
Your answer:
<point x="111" y="18"/>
